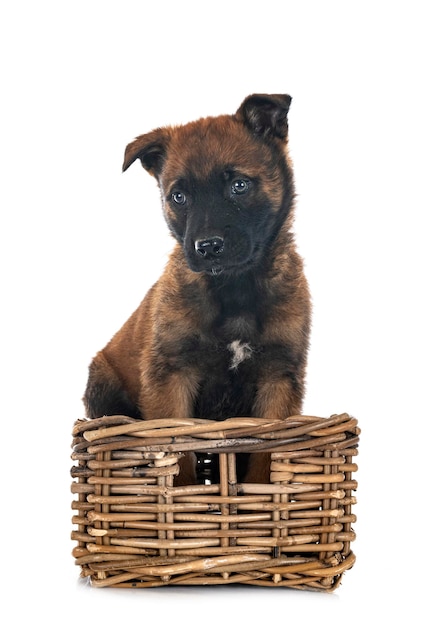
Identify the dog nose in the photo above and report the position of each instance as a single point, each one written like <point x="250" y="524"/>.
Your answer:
<point x="209" y="247"/>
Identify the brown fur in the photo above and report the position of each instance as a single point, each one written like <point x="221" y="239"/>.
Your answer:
<point x="224" y="332"/>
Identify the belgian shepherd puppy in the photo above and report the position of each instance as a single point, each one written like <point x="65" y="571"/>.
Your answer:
<point x="225" y="330"/>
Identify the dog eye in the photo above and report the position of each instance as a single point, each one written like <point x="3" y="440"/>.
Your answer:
<point x="179" y="197"/>
<point x="240" y="186"/>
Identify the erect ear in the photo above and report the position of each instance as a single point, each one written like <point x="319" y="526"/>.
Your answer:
<point x="266" y="114"/>
<point x="150" y="149"/>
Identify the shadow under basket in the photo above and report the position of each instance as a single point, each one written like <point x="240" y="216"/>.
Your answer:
<point x="134" y="528"/>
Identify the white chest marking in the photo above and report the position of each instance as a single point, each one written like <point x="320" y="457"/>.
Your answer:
<point x="240" y="352"/>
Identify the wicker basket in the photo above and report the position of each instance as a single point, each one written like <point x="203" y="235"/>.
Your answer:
<point x="133" y="528"/>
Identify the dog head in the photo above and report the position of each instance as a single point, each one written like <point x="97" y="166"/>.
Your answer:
<point x="225" y="182"/>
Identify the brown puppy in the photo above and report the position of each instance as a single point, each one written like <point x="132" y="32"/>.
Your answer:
<point x="225" y="330"/>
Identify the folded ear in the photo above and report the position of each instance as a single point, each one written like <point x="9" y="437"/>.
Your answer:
<point x="266" y="114"/>
<point x="150" y="149"/>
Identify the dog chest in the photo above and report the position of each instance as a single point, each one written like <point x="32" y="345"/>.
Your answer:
<point x="240" y="351"/>
<point x="228" y="378"/>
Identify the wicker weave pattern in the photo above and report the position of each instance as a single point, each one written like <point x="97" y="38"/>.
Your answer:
<point x="135" y="529"/>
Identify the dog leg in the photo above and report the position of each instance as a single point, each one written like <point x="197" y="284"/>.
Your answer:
<point x="168" y="395"/>
<point x="187" y="470"/>
<point x="172" y="396"/>
<point x="275" y="400"/>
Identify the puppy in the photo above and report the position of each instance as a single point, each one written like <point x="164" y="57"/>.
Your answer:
<point x="225" y="331"/>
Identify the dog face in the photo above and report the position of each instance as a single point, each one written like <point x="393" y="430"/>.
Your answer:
<point x="225" y="182"/>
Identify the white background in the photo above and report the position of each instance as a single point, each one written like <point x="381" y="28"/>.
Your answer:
<point x="81" y="243"/>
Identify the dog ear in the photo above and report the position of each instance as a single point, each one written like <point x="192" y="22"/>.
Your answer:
<point x="266" y="114"/>
<point x="150" y="149"/>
